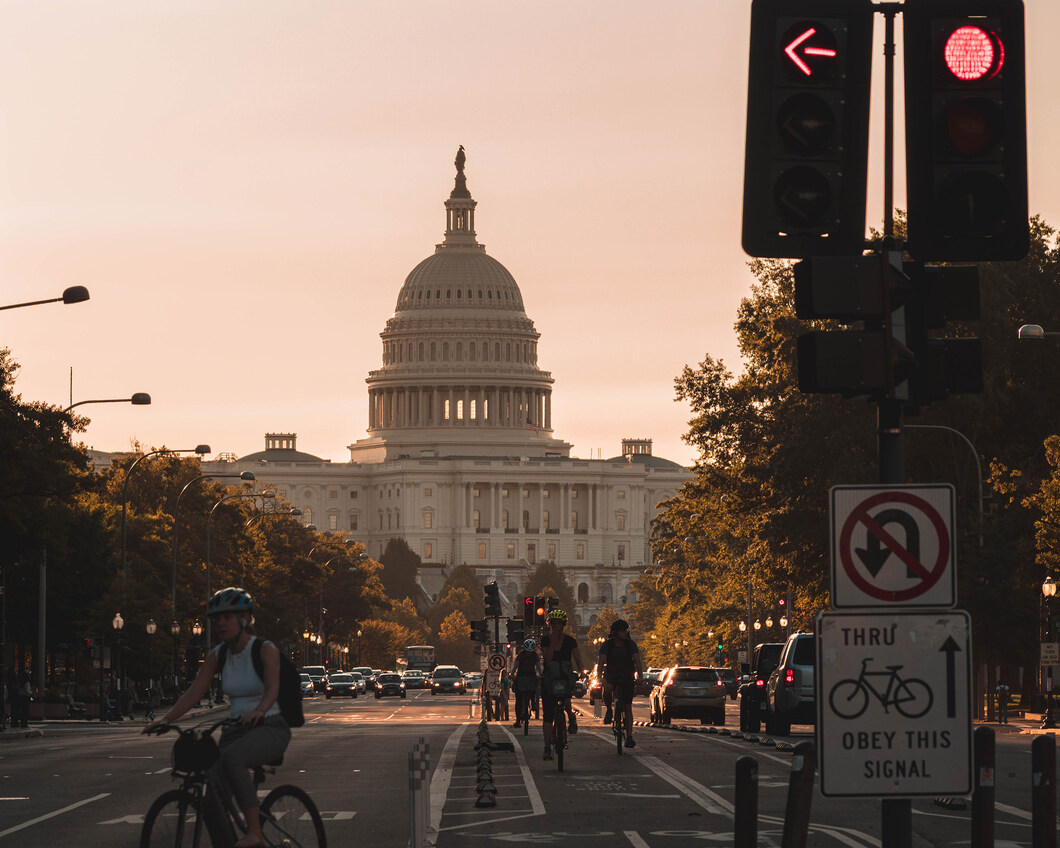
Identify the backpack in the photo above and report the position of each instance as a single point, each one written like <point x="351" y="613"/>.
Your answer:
<point x="610" y="648"/>
<point x="289" y="699"/>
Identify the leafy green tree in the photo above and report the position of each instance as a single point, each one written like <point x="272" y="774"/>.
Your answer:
<point x="454" y="644"/>
<point x="602" y="629"/>
<point x="382" y="642"/>
<point x="454" y="599"/>
<point x="404" y="613"/>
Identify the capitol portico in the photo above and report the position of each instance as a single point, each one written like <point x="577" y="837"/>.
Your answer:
<point x="460" y="459"/>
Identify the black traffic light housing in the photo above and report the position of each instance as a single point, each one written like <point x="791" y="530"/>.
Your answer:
<point x="515" y="631"/>
<point x="540" y="611"/>
<point x="479" y="631"/>
<point x="806" y="159"/>
<point x="966" y="129"/>
<point x="493" y="600"/>
<point x="528" y="612"/>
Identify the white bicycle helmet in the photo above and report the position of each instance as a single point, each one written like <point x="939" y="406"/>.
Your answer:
<point x="530" y="645"/>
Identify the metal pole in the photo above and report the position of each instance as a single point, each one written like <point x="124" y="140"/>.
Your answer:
<point x="42" y="611"/>
<point x="800" y="796"/>
<point x="1043" y="792"/>
<point x="983" y="793"/>
<point x="745" y="822"/>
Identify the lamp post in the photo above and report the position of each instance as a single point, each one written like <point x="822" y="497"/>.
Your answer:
<point x="138" y="399"/>
<point x="305" y="644"/>
<point x="358" y="647"/>
<point x="118" y="623"/>
<point x="174" y="631"/>
<point x="246" y="477"/>
<point x="268" y="493"/>
<point x="293" y="512"/>
<point x="1048" y="592"/>
<point x="72" y="294"/>
<point x="151" y="627"/>
<point x="202" y="450"/>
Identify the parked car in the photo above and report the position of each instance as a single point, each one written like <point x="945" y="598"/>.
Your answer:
<point x="341" y="684"/>
<point x="389" y="683"/>
<point x="317" y="673"/>
<point x="688" y="692"/>
<point x="752" y="691"/>
<point x="414" y="679"/>
<point x="789" y="692"/>
<point x="307" y="686"/>
<point x="728" y="676"/>
<point x="358" y="678"/>
<point x="447" y="678"/>
<point x="595" y="685"/>
<point x="473" y="679"/>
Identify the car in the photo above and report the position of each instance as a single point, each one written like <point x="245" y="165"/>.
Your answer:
<point x="688" y="691"/>
<point x="789" y="692"/>
<point x="389" y="683"/>
<point x="752" y="689"/>
<point x="317" y="673"/>
<point x="307" y="686"/>
<point x="447" y="678"/>
<point x="341" y="684"/>
<point x="595" y="685"/>
<point x="414" y="679"/>
<point x="732" y="685"/>
<point x="473" y="679"/>
<point x="362" y="670"/>
<point x="358" y="678"/>
<point x="369" y="681"/>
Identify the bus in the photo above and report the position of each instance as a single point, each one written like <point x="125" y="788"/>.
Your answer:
<point x="417" y="658"/>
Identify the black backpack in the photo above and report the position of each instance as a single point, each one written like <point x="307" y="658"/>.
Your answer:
<point x="290" y="698"/>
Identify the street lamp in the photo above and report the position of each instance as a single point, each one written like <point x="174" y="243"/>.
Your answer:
<point x="769" y="620"/>
<point x="1048" y="592"/>
<point x="758" y="624"/>
<point x="245" y="476"/>
<point x="73" y="294"/>
<point x="118" y="623"/>
<point x="268" y="493"/>
<point x="1033" y="331"/>
<point x="138" y="399"/>
<point x="294" y="512"/>
<point x="174" y="631"/>
<point x="151" y="627"/>
<point x="358" y="647"/>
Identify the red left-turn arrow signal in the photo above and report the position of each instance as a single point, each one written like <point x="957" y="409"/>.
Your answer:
<point x="808" y="50"/>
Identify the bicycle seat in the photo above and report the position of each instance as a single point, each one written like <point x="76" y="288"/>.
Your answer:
<point x="894" y="667"/>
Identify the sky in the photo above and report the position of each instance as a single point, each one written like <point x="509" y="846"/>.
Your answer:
<point x="243" y="187"/>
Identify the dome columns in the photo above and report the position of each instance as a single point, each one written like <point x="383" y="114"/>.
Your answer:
<point x="462" y="405"/>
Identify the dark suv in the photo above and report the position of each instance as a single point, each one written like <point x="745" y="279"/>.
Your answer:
<point x="790" y="690"/>
<point x="753" y="690"/>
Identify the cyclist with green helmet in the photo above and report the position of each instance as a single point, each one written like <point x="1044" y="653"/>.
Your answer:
<point x="557" y="646"/>
<point x="262" y="735"/>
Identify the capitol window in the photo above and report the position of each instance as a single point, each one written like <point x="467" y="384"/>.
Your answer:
<point x="353" y="522"/>
<point x="481" y="550"/>
<point x="504" y="519"/>
<point x="574" y="520"/>
<point x="476" y="519"/>
<point x="531" y="553"/>
<point x="427" y="492"/>
<point x="579" y="550"/>
<point x="511" y="550"/>
<point x="544" y="519"/>
<point x="428" y="519"/>
<point x="428" y="548"/>
<point x="333" y="521"/>
<point x="621" y="494"/>
<point x="621" y="552"/>
<point x="620" y="520"/>
<point x="552" y="551"/>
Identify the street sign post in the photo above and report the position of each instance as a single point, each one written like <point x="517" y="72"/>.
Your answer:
<point x="495" y="662"/>
<point x="892" y="546"/>
<point x="894" y="709"/>
<point x="1050" y="654"/>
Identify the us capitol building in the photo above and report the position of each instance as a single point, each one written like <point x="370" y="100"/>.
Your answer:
<point x="460" y="459"/>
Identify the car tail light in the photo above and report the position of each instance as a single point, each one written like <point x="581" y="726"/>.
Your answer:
<point x="789" y="677"/>
<point x="720" y="682"/>
<point x="760" y="683"/>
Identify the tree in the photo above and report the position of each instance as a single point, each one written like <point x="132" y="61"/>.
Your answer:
<point x="602" y="629"/>
<point x="453" y="599"/>
<point x="404" y="613"/>
<point x="382" y="642"/>
<point x="454" y="644"/>
<point x="400" y="564"/>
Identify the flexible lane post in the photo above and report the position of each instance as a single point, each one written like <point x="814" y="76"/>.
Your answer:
<point x="745" y="825"/>
<point x="1043" y="792"/>
<point x="800" y="796"/>
<point x="983" y="793"/>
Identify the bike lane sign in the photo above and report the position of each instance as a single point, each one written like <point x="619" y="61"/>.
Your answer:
<point x="894" y="703"/>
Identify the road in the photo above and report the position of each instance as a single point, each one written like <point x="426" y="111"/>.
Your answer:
<point x="89" y="785"/>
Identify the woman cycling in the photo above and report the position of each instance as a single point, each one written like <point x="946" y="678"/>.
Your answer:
<point x="527" y="664"/>
<point x="261" y="735"/>
<point x="557" y="646"/>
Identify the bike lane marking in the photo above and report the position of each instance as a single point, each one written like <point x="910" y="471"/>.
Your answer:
<point x="443" y="776"/>
<point x="52" y="815"/>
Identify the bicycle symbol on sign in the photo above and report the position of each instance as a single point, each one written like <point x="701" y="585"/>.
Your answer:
<point x="912" y="697"/>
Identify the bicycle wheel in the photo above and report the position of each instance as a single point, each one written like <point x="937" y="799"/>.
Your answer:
<point x="289" y="819"/>
<point x="172" y="821"/>
<point x="559" y="735"/>
<point x="913" y="698"/>
<point x="619" y="713"/>
<point x="848" y="699"/>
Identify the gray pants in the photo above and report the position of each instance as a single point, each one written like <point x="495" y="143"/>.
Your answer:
<point x="244" y="746"/>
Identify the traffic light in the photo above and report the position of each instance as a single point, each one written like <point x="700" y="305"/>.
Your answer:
<point x="871" y="290"/>
<point x="806" y="159"/>
<point x="89" y="649"/>
<point x="553" y="603"/>
<point x="479" y="631"/>
<point x="944" y="366"/>
<point x="540" y="611"/>
<point x="966" y="129"/>
<point x="528" y="612"/>
<point x="515" y="632"/>
<point x="493" y="599"/>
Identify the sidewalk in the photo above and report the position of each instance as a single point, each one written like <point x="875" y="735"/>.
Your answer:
<point x="1028" y="723"/>
<point x="38" y="728"/>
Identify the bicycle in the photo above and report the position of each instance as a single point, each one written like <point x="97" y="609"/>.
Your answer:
<point x="912" y="697"/>
<point x="289" y="818"/>
<point x="559" y="687"/>
<point x="525" y="686"/>
<point x="619" y="700"/>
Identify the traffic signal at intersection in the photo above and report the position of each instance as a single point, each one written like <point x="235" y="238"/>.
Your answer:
<point x="479" y="631"/>
<point x="540" y="612"/>
<point x="806" y="157"/>
<point x="493" y="599"/>
<point x="515" y="632"/>
<point x="966" y="136"/>
<point x="528" y="612"/>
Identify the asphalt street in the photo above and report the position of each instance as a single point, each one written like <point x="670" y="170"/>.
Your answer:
<point x="89" y="784"/>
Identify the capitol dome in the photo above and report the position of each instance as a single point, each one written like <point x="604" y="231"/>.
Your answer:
<point x="459" y="375"/>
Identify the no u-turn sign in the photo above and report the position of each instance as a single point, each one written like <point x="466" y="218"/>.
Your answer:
<point x="892" y="546"/>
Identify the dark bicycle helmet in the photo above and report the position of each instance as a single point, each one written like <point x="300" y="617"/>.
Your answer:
<point x="232" y="599"/>
<point x="619" y="624"/>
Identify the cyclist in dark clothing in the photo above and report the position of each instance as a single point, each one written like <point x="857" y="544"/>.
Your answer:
<point x="557" y="646"/>
<point x="526" y="666"/>
<point x="621" y="662"/>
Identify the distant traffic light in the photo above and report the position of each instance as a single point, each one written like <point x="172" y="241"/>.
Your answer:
<point x="540" y="611"/>
<point x="515" y="631"/>
<point x="493" y="600"/>
<point x="479" y="631"/>
<point x="966" y="130"/>
<point x="528" y="612"/>
<point x="806" y="159"/>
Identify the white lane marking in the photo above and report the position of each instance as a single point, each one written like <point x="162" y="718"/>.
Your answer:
<point x="528" y="778"/>
<point x="443" y="776"/>
<point x="52" y="815"/>
<point x="708" y="800"/>
<point x="635" y="839"/>
<point x="1013" y="811"/>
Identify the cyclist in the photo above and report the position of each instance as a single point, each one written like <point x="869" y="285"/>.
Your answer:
<point x="621" y="662"/>
<point x="527" y="664"/>
<point x="557" y="646"/>
<point x="261" y="735"/>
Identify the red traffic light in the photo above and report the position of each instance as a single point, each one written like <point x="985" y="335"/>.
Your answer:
<point x="973" y="53"/>
<point x="528" y="601"/>
<point x="810" y="43"/>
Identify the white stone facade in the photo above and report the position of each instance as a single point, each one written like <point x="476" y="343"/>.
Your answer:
<point x="460" y="460"/>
